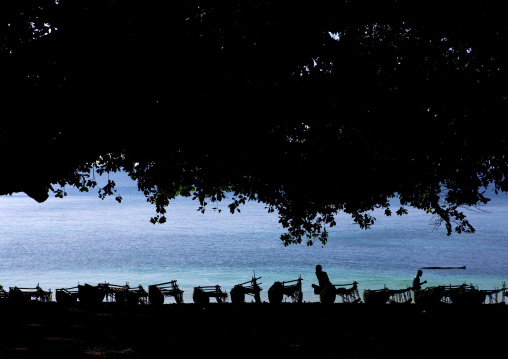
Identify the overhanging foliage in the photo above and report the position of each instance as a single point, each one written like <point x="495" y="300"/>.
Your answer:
<point x="311" y="110"/>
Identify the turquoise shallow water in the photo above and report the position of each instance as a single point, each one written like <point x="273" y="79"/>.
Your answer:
<point x="82" y="239"/>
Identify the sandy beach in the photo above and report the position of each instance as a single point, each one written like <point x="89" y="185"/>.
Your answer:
<point x="36" y="330"/>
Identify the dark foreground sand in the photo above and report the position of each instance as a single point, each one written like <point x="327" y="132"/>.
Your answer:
<point x="49" y="330"/>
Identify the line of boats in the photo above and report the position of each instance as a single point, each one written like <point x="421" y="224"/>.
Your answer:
<point x="157" y="293"/>
<point x="452" y="294"/>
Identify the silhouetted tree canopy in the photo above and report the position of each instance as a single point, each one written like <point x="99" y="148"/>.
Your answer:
<point x="335" y="106"/>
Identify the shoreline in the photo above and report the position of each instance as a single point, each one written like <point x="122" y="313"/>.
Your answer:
<point x="250" y="330"/>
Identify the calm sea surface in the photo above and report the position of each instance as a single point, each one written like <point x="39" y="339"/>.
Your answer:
<point x="82" y="239"/>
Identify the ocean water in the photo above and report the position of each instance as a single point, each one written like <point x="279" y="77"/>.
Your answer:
<point x="82" y="239"/>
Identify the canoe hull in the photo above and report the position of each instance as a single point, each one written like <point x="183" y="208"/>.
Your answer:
<point x="428" y="296"/>
<point x="376" y="296"/>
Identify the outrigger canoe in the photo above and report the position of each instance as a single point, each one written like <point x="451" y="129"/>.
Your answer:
<point x="429" y="296"/>
<point x="157" y="292"/>
<point x="376" y="296"/>
<point x="240" y="290"/>
<point x="67" y="295"/>
<point x="89" y="294"/>
<point x="463" y="267"/>
<point x="465" y="295"/>
<point x="279" y="289"/>
<point x="202" y="295"/>
<point x="382" y="296"/>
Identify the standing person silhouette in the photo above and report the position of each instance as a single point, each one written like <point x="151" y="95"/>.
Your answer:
<point x="416" y="281"/>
